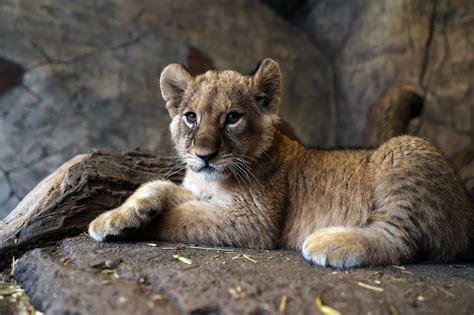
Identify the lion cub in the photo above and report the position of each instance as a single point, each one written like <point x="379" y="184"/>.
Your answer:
<point x="247" y="185"/>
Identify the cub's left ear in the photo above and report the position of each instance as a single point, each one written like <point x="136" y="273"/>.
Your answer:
<point x="174" y="81"/>
<point x="267" y="85"/>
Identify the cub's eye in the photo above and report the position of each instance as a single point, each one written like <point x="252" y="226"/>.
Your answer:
<point x="232" y="118"/>
<point x="191" y="118"/>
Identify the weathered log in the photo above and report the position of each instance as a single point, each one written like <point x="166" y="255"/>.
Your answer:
<point x="63" y="204"/>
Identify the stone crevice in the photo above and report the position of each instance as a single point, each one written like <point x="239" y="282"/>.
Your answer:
<point x="32" y="93"/>
<point x="11" y="74"/>
<point x="9" y="183"/>
<point x="136" y="19"/>
<point x="34" y="44"/>
<point x="134" y="40"/>
<point x="427" y="47"/>
<point x="4" y="201"/>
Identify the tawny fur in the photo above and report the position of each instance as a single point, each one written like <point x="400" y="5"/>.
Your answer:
<point x="342" y="208"/>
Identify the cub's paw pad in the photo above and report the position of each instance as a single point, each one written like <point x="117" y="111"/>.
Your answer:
<point x="111" y="226"/>
<point x="336" y="248"/>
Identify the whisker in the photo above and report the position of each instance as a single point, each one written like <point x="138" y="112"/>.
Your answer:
<point x="246" y="156"/>
<point x="174" y="170"/>
<point x="168" y="176"/>
<point x="243" y="171"/>
<point x="249" y="174"/>
<point x="236" y="174"/>
<point x="267" y="155"/>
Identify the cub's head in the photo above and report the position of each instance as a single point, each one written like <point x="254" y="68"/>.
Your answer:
<point x="222" y="121"/>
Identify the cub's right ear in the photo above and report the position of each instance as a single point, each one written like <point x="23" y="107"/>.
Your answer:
<point x="267" y="81"/>
<point x="174" y="81"/>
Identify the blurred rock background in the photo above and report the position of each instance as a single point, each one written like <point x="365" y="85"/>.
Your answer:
<point x="79" y="75"/>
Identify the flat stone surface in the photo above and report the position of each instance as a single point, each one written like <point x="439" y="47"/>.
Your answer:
<point x="82" y="276"/>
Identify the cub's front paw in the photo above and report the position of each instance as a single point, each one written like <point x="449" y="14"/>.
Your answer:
<point x="112" y="224"/>
<point x="337" y="247"/>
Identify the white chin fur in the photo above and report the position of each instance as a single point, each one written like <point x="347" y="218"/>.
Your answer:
<point x="211" y="176"/>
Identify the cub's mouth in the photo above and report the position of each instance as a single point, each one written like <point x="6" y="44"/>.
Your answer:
<point x="221" y="168"/>
<point x="207" y="168"/>
<point x="210" y="172"/>
<point x="202" y="167"/>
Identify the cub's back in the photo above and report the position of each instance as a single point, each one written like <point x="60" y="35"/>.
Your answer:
<point x="326" y="188"/>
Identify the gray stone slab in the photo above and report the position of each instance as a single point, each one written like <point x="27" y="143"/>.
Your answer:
<point x="74" y="277"/>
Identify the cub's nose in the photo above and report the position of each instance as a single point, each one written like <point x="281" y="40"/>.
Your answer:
<point x="206" y="157"/>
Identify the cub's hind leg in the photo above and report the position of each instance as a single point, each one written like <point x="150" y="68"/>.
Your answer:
<point x="139" y="209"/>
<point x="418" y="209"/>
<point x="417" y="193"/>
<point x="346" y="247"/>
